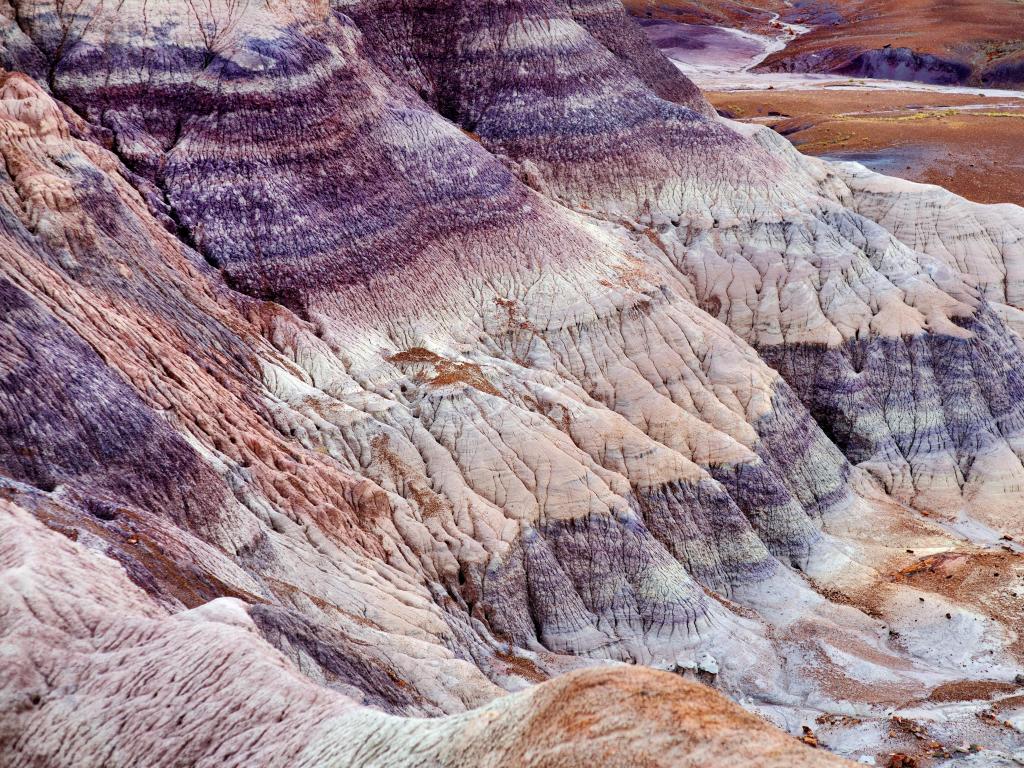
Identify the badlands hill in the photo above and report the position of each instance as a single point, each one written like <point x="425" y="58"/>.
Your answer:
<point x="970" y="42"/>
<point x="397" y="383"/>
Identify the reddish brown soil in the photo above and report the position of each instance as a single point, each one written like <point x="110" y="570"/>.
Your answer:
<point x="523" y="667"/>
<point x="970" y="690"/>
<point x="982" y="34"/>
<point x="753" y="15"/>
<point x="977" y="153"/>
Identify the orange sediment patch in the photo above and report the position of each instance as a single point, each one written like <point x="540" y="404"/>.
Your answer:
<point x="450" y="372"/>
<point x="522" y="667"/>
<point x="970" y="690"/>
<point x="752" y="15"/>
<point x="599" y="706"/>
<point x="969" y="144"/>
<point x="944" y="562"/>
<point x="415" y="355"/>
<point x="446" y="371"/>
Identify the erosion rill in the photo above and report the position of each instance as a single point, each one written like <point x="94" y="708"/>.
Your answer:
<point x="396" y="383"/>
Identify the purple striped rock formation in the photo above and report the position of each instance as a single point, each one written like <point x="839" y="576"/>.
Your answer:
<point x="370" y="362"/>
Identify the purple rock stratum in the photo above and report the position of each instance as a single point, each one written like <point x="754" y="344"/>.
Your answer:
<point x="443" y="382"/>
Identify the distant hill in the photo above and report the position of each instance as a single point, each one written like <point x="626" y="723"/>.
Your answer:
<point x="972" y="42"/>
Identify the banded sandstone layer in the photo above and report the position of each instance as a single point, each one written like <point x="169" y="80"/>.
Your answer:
<point x="403" y="355"/>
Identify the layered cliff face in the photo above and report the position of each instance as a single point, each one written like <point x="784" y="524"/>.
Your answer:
<point x="404" y="355"/>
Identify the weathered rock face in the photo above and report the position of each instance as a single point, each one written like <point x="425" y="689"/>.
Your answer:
<point x="234" y="700"/>
<point x="449" y="348"/>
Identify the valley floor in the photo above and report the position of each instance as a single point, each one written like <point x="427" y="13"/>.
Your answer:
<point x="968" y="140"/>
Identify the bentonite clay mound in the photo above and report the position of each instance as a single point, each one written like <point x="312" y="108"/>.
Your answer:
<point x="374" y="375"/>
<point x="125" y="682"/>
